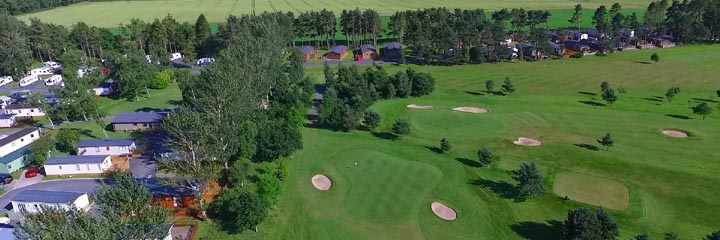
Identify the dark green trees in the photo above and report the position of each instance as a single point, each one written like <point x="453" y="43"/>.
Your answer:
<point x="401" y="127"/>
<point x="490" y="86"/>
<point x="371" y="119"/>
<point x="576" y="18"/>
<point x="14" y="47"/>
<point x="507" y="86"/>
<point x="671" y="236"/>
<point x="583" y="223"/>
<point x="607" y="93"/>
<point x="445" y="145"/>
<point x="713" y="236"/>
<point x="606" y="141"/>
<point x="671" y="92"/>
<point x="643" y="236"/>
<point x="67" y="139"/>
<point x="485" y="156"/>
<point x="40" y="150"/>
<point x="702" y="109"/>
<point x="655" y="58"/>
<point x="531" y="180"/>
<point x="238" y="209"/>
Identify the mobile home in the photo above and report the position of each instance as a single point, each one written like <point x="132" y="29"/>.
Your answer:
<point x="54" y="80"/>
<point x="28" y="80"/>
<point x="5" y="80"/>
<point x="41" y="71"/>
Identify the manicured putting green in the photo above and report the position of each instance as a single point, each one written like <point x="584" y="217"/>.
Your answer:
<point x="385" y="187"/>
<point x="592" y="190"/>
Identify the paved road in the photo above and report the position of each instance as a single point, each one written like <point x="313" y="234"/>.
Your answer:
<point x="76" y="185"/>
<point x="315" y="111"/>
<point x="143" y="167"/>
<point x="36" y="87"/>
<point x="23" y="181"/>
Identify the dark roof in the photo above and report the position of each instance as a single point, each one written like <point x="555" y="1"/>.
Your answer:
<point x="140" y="117"/>
<point x="76" y="159"/>
<point x="592" y="32"/>
<point x="6" y="116"/>
<point x="307" y="49"/>
<point x="106" y="142"/>
<point x="550" y="33"/>
<point x="46" y="196"/>
<point x="367" y="48"/>
<point x="16" y="106"/>
<point x="15" y="155"/>
<point x="167" y="188"/>
<point x="394" y="45"/>
<point x="555" y="46"/>
<point x="574" y="43"/>
<point x="339" y="49"/>
<point x="106" y="85"/>
<point x="16" y="135"/>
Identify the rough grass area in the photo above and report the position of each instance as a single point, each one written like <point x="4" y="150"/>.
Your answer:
<point x="592" y="190"/>
<point x="111" y="14"/>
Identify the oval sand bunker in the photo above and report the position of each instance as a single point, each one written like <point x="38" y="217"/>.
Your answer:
<point x="443" y="211"/>
<point x="413" y="106"/>
<point x="528" y="142"/>
<point x="675" y="134"/>
<point x="470" y="110"/>
<point x="321" y="182"/>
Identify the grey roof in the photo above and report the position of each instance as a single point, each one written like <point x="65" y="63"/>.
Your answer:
<point x="16" y="135"/>
<point x="109" y="84"/>
<point x="307" y="49"/>
<point x="76" y="159"/>
<point x="394" y="45"/>
<point x="16" y="106"/>
<point x="167" y="188"/>
<point x="339" y="49"/>
<point x="6" y="116"/>
<point x="367" y="48"/>
<point x="106" y="142"/>
<point x="46" y="196"/>
<point x="15" y="155"/>
<point x="140" y="117"/>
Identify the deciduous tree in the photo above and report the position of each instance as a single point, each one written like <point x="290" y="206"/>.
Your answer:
<point x="713" y="236"/>
<point x="655" y="58"/>
<point x="237" y="210"/>
<point x="702" y="109"/>
<point x="401" y="127"/>
<point x="40" y="150"/>
<point x="67" y="139"/>
<point x="672" y="236"/>
<point x="606" y="141"/>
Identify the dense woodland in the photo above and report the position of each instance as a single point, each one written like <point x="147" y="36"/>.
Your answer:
<point x="15" y="7"/>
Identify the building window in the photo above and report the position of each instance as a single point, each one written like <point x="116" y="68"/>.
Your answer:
<point x="88" y="167"/>
<point x="22" y="140"/>
<point x="77" y="167"/>
<point x="21" y="206"/>
<point x="32" y="135"/>
<point x="99" y="168"/>
<point x="124" y="148"/>
<point x="13" y="144"/>
<point x="107" y="148"/>
<point x="60" y="167"/>
<point x="144" y="124"/>
<point x="134" y="124"/>
<point x="97" y="149"/>
<point x="32" y="110"/>
<point x="177" y="202"/>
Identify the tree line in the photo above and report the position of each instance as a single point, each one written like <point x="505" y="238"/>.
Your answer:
<point x="348" y="93"/>
<point x="16" y="7"/>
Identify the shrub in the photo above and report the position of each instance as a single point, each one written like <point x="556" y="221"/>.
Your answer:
<point x="161" y="80"/>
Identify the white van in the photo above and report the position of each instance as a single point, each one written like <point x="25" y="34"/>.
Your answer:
<point x="175" y="56"/>
<point x="41" y="71"/>
<point x="54" y="80"/>
<point x="205" y="62"/>
<point x="28" y="80"/>
<point x="52" y="65"/>
<point x="5" y="80"/>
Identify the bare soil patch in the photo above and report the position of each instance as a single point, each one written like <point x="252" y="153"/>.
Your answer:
<point x="413" y="106"/>
<point x="321" y="182"/>
<point x="470" y="110"/>
<point x="675" y="134"/>
<point x="443" y="211"/>
<point x="528" y="142"/>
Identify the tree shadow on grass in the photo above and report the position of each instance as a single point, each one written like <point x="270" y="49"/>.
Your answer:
<point x="587" y="93"/>
<point x="587" y="146"/>
<point x="704" y="100"/>
<point x="653" y="99"/>
<point x="469" y="162"/>
<point x="642" y="62"/>
<point x="549" y="230"/>
<point x="593" y="103"/>
<point x="385" y="135"/>
<point x="434" y="149"/>
<point x="476" y="93"/>
<point x="677" y="116"/>
<point x="175" y="102"/>
<point x="503" y="189"/>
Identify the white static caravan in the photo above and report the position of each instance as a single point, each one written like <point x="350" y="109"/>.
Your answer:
<point x="7" y="121"/>
<point x="5" y="101"/>
<point x="5" y="80"/>
<point x="77" y="164"/>
<point x="54" y="80"/>
<point x="29" y="80"/>
<point x="175" y="56"/>
<point x="41" y="71"/>
<point x="31" y="201"/>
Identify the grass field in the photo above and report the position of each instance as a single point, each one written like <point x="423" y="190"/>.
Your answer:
<point x="111" y="14"/>
<point x="661" y="184"/>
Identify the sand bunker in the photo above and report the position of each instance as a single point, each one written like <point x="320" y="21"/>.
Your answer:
<point x="675" y="134"/>
<point x="413" y="106"/>
<point x="443" y="211"/>
<point x="470" y="110"/>
<point x="527" y="142"/>
<point x="321" y="182"/>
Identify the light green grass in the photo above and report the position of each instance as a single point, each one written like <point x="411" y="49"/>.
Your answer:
<point x="670" y="181"/>
<point x="158" y="99"/>
<point x="111" y="14"/>
<point x="592" y="190"/>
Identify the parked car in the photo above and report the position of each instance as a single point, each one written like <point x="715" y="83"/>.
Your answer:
<point x="31" y="172"/>
<point x="5" y="178"/>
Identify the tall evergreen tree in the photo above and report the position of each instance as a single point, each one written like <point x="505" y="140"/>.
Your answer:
<point x="531" y="180"/>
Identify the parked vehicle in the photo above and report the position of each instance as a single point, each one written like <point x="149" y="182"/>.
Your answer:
<point x="52" y="65"/>
<point x="41" y="71"/>
<point x="175" y="56"/>
<point x="5" y="80"/>
<point x="205" y="62"/>
<point x="21" y="94"/>
<point x="28" y="80"/>
<point x="5" y="178"/>
<point x="31" y="172"/>
<point x="54" y="80"/>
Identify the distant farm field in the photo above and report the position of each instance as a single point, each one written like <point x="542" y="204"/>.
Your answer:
<point x="111" y="14"/>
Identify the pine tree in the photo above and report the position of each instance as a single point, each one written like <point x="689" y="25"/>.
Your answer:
<point x="581" y="223"/>
<point x="485" y="156"/>
<point x="576" y="18"/>
<point x="401" y="127"/>
<point x="655" y="58"/>
<point x="609" y="96"/>
<point x="445" y="145"/>
<point x="371" y="119"/>
<point x="608" y="227"/>
<point x="489" y="86"/>
<point x="507" y="86"/>
<point x="531" y="180"/>
<point x="672" y="236"/>
<point x="606" y="141"/>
